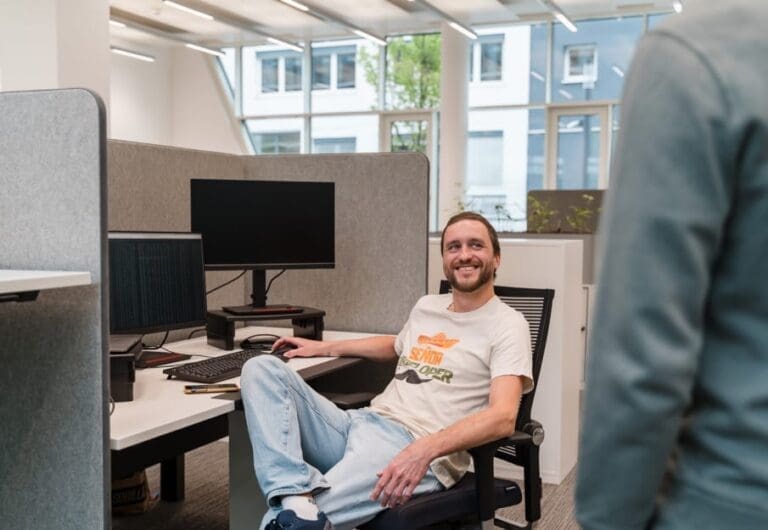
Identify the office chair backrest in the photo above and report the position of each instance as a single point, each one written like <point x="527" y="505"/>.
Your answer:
<point x="536" y="307"/>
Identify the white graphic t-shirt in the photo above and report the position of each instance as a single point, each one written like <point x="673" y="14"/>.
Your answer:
<point x="447" y="361"/>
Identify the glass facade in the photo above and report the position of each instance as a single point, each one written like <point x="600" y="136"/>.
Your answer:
<point x="413" y="72"/>
<point x="518" y="74"/>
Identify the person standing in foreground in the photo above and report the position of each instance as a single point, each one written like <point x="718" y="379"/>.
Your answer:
<point x="464" y="362"/>
<point x="675" y="429"/>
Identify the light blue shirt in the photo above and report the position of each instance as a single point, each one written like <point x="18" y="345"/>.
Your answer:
<point x="678" y="360"/>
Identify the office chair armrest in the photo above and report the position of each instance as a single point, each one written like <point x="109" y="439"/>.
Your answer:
<point x="353" y="400"/>
<point x="482" y="457"/>
<point x="535" y="430"/>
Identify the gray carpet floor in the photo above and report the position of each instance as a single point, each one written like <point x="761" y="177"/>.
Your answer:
<point x="206" y="505"/>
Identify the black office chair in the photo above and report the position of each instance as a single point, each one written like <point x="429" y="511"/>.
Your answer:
<point x="477" y="495"/>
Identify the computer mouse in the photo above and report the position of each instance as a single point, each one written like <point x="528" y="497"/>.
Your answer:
<point x="257" y="344"/>
<point x="284" y="348"/>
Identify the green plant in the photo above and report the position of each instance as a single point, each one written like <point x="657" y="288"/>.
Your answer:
<point x="581" y="219"/>
<point x="540" y="215"/>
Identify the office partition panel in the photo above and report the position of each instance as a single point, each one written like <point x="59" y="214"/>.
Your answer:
<point x="54" y="407"/>
<point x="381" y="224"/>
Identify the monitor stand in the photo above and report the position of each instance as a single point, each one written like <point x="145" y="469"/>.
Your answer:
<point x="259" y="299"/>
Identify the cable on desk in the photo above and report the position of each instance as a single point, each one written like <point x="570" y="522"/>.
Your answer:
<point x="145" y="347"/>
<point x="226" y="283"/>
<point x="194" y="331"/>
<point x="112" y="405"/>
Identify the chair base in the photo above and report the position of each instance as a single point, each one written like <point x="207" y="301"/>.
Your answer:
<point x="510" y="525"/>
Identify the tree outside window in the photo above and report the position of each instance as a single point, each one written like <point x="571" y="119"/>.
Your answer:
<point x="412" y="82"/>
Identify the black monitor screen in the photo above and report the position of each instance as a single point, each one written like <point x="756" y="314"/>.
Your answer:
<point x="156" y="282"/>
<point x="252" y="224"/>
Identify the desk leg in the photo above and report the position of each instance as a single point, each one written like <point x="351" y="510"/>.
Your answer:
<point x="172" y="479"/>
<point x="247" y="504"/>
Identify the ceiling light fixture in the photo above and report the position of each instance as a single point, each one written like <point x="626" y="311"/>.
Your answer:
<point x="297" y="5"/>
<point x="328" y="17"/>
<point x="116" y="24"/>
<point x="221" y="17"/>
<point x="464" y="31"/>
<point x="209" y="51"/>
<point x="287" y="44"/>
<point x="537" y="75"/>
<point x="677" y="5"/>
<point x="565" y="94"/>
<point x="133" y="55"/>
<point x="559" y="15"/>
<point x="182" y="7"/>
<point x="617" y="70"/>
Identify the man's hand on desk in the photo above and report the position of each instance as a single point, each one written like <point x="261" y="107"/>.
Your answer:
<point x="301" y="347"/>
<point x="375" y="348"/>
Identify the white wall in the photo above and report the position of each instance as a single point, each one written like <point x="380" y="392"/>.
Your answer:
<point x="44" y="44"/>
<point x="141" y="96"/>
<point x="176" y="101"/>
<point x="200" y="115"/>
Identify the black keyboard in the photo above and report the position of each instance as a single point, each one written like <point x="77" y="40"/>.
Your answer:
<point x="216" y="369"/>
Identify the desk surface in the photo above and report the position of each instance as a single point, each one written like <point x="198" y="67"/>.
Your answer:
<point x="160" y="405"/>
<point x="15" y="281"/>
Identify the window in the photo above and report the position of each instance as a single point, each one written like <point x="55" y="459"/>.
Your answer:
<point x="519" y="73"/>
<point x="485" y="156"/>
<point x="490" y="57"/>
<point x="413" y="72"/>
<point x="227" y="68"/>
<point x="580" y="64"/>
<point x="269" y="75"/>
<point x="277" y="142"/>
<point x="321" y="71"/>
<point x="345" y="134"/>
<point x="334" y="145"/>
<point x="653" y="20"/>
<point x="293" y="73"/>
<point x="345" y="70"/>
<point x="271" y="82"/>
<point x="590" y="64"/>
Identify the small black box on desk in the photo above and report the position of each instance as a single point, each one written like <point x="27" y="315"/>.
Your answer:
<point x="220" y="325"/>
<point x="122" y="367"/>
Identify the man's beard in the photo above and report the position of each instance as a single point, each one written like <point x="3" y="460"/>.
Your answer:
<point x="486" y="275"/>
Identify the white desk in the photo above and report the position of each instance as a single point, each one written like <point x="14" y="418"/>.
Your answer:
<point x="160" y="405"/>
<point x="162" y="423"/>
<point x="17" y="281"/>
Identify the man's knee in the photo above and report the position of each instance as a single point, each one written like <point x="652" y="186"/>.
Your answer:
<point x="260" y="368"/>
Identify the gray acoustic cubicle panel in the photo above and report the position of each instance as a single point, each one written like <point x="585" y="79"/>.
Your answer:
<point x="382" y="204"/>
<point x="149" y="191"/>
<point x="381" y="224"/>
<point x="54" y="406"/>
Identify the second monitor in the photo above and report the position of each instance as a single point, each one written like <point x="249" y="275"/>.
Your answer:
<point x="260" y="225"/>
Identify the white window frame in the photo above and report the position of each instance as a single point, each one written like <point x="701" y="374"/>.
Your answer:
<point x="588" y="77"/>
<point x="551" y="150"/>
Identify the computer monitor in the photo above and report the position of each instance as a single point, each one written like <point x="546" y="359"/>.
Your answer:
<point x="260" y="225"/>
<point x="156" y="282"/>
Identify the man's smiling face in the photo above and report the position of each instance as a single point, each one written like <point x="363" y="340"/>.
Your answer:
<point x="468" y="259"/>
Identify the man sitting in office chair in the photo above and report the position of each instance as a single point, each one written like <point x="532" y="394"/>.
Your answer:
<point x="464" y="362"/>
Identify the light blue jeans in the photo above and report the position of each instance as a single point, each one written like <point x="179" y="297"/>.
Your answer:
<point x="303" y="443"/>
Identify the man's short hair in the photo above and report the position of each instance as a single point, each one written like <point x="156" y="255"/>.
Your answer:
<point x="472" y="216"/>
